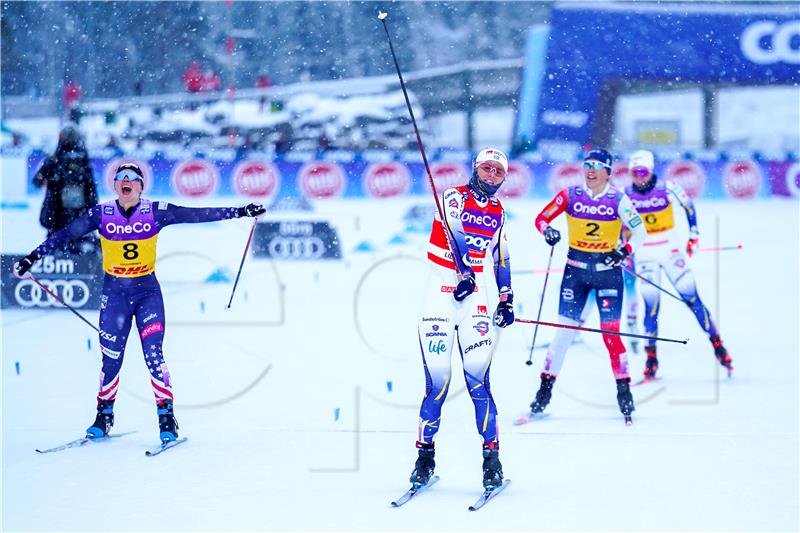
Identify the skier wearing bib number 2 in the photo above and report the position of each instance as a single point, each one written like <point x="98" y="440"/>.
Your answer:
<point x="129" y="229"/>
<point x="596" y="213"/>
<point x="456" y="309"/>
<point x="655" y="198"/>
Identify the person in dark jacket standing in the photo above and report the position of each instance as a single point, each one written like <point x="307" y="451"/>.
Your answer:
<point x="70" y="188"/>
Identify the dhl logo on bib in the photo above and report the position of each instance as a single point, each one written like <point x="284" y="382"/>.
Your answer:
<point x="129" y="259"/>
<point x="593" y="235"/>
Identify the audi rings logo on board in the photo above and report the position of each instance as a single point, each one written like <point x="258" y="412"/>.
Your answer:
<point x="518" y="181"/>
<point x="256" y="179"/>
<point x="565" y="175"/>
<point x="296" y="247"/>
<point x="620" y="177"/>
<point x="766" y="42"/>
<point x="321" y="180"/>
<point x="689" y="175"/>
<point x="742" y="179"/>
<point x="447" y="175"/>
<point x="74" y="292"/>
<point x="385" y="180"/>
<point x="195" y="178"/>
<point x="111" y="171"/>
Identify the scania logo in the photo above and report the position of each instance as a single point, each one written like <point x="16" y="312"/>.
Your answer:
<point x="195" y="178"/>
<point x="689" y="175"/>
<point x="74" y="292"/>
<point x="256" y="179"/>
<point x="601" y="209"/>
<point x="383" y="180"/>
<point x="447" y="175"/>
<point x="321" y="179"/>
<point x="766" y="42"/>
<point x="296" y="248"/>
<point x="742" y="179"/>
<point x="565" y="175"/>
<point x="518" y="181"/>
<point x="136" y="227"/>
<point x="658" y="201"/>
<point x="484" y="220"/>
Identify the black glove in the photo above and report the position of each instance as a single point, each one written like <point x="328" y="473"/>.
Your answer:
<point x="504" y="315"/>
<point x="464" y="288"/>
<point x="251" y="210"/>
<point x="551" y="235"/>
<point x="615" y="258"/>
<point x="22" y="266"/>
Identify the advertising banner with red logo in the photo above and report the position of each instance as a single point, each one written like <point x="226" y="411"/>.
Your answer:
<point x="201" y="178"/>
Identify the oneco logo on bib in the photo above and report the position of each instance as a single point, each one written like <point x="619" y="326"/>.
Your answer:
<point x="484" y="220"/>
<point x="778" y="38"/>
<point x="658" y="201"/>
<point x="136" y="227"/>
<point x="593" y="209"/>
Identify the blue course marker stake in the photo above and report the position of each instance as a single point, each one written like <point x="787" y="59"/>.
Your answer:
<point x="336" y="414"/>
<point x="16" y="366"/>
<point x="388" y="386"/>
<point x="89" y="344"/>
<point x="202" y="307"/>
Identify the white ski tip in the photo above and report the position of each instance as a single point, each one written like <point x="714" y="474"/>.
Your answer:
<point x="382" y="15"/>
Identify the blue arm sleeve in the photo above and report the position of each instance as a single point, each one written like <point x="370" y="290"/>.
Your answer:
<point x="77" y="228"/>
<point x="167" y="214"/>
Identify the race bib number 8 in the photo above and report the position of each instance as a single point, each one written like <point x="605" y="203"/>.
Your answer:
<point x="129" y="259"/>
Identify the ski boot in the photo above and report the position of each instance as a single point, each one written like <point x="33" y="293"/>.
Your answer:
<point x="103" y="421"/>
<point x="543" y="394"/>
<point x="167" y="425"/>
<point x="492" y="469"/>
<point x="423" y="468"/>
<point x="625" y="399"/>
<point x="722" y="354"/>
<point x="651" y="366"/>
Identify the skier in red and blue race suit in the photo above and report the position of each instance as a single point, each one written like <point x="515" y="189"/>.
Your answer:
<point x="655" y="199"/>
<point x="129" y="228"/>
<point x="596" y="213"/>
<point x="456" y="309"/>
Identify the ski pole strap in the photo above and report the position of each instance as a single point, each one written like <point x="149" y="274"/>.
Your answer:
<point x="593" y="330"/>
<point x="62" y="302"/>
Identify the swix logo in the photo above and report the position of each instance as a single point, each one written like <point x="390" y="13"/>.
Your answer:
<point x="518" y="181"/>
<point x="155" y="327"/>
<point x="479" y="220"/>
<point x="111" y="170"/>
<point x="136" y="227"/>
<point x="195" y="178"/>
<point x="742" y="179"/>
<point x="482" y="310"/>
<point x="593" y="245"/>
<point x="149" y="317"/>
<point x="779" y="39"/>
<point x="476" y="241"/>
<point x="447" y="175"/>
<point x="256" y="179"/>
<point x="601" y="209"/>
<point x="689" y="175"/>
<point x="564" y="176"/>
<point x="649" y="203"/>
<point x="130" y="271"/>
<point x="384" y="180"/>
<point x="321" y="179"/>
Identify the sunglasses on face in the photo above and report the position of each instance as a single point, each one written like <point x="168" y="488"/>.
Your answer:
<point x="597" y="165"/>
<point x="129" y="175"/>
<point x="640" y="172"/>
<point x="493" y="169"/>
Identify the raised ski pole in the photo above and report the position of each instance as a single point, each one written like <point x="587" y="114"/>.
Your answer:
<point x="720" y="248"/>
<point x="62" y="302"/>
<point x="529" y="362"/>
<point x="606" y="331"/>
<point x="241" y="264"/>
<point x="659" y="287"/>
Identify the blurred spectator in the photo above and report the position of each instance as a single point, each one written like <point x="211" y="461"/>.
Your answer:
<point x="193" y="77"/>
<point x="263" y="82"/>
<point x="70" y="188"/>
<point x="283" y="144"/>
<point x="211" y="81"/>
<point x="323" y="144"/>
<point x="72" y="99"/>
<point x="138" y="87"/>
